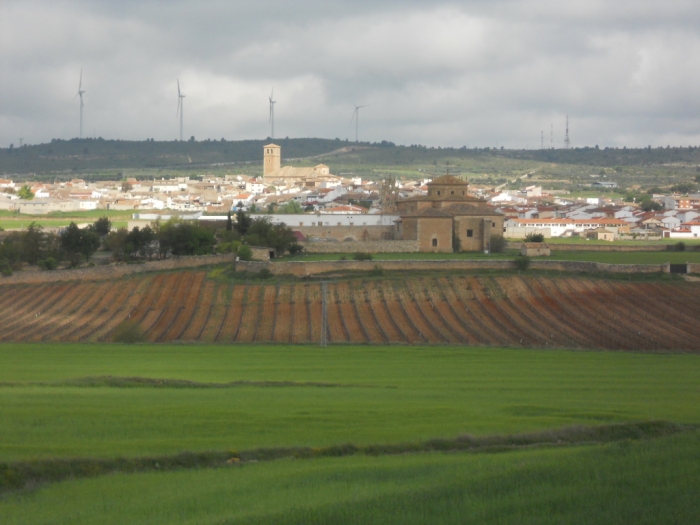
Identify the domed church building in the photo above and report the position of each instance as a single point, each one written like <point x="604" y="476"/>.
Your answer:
<point x="448" y="218"/>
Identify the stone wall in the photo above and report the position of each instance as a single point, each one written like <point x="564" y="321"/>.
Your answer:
<point x="590" y="247"/>
<point x="361" y="246"/>
<point x="112" y="271"/>
<point x="342" y="233"/>
<point x="693" y="267"/>
<point x="304" y="268"/>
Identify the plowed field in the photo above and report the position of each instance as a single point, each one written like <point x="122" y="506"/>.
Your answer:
<point x="516" y="311"/>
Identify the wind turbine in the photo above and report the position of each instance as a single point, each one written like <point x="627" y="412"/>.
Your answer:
<point x="272" y="114"/>
<point x="180" y="106"/>
<point x="80" y="94"/>
<point x="356" y="116"/>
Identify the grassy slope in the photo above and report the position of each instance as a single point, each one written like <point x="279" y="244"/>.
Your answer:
<point x="438" y="392"/>
<point x="648" y="482"/>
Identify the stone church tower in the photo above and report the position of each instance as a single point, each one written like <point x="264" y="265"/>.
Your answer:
<point x="272" y="159"/>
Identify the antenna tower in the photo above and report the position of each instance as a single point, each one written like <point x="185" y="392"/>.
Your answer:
<point x="551" y="136"/>
<point x="566" y="137"/>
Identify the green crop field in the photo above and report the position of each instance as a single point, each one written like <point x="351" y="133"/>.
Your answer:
<point x="56" y="401"/>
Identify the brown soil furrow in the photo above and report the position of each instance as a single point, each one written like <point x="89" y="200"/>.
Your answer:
<point x="201" y="313"/>
<point x="448" y="315"/>
<point x="284" y="320"/>
<point x="252" y="310"/>
<point x="149" y="299"/>
<point x="336" y="324"/>
<point x="172" y="309"/>
<point x="360" y="321"/>
<point x="396" y="307"/>
<point x="391" y="330"/>
<point x="475" y="310"/>
<point x="234" y="312"/>
<point x="558" y="332"/>
<point x="469" y="322"/>
<point x="81" y="312"/>
<point x="348" y="313"/>
<point x="300" y="320"/>
<point x="265" y="327"/>
<point x="368" y="318"/>
<point x="582" y="336"/>
<point x="657" y="334"/>
<point x="591" y="310"/>
<point x="17" y="330"/>
<point x="113" y="310"/>
<point x="22" y="299"/>
<point x="313" y="306"/>
<point x="418" y="292"/>
<point x="370" y="300"/>
<point x="218" y="314"/>
<point x="594" y="309"/>
<point x="452" y="327"/>
<point x="94" y="313"/>
<point x="498" y="318"/>
<point x="627" y="313"/>
<point x="414" y="315"/>
<point x="673" y="308"/>
<point x="521" y="322"/>
<point x="30" y="305"/>
<point x="183" y="320"/>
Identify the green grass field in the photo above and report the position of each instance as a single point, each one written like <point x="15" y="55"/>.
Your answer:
<point x="372" y="395"/>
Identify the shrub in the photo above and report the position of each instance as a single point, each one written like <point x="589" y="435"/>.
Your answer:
<point x="128" y="331"/>
<point x="377" y="271"/>
<point x="296" y="249"/>
<point x="245" y="253"/>
<point x="680" y="246"/>
<point x="48" y="264"/>
<point x="522" y="263"/>
<point x="265" y="273"/>
<point x="497" y="243"/>
<point x="362" y="256"/>
<point x="534" y="237"/>
<point x="343" y="258"/>
<point x="5" y="267"/>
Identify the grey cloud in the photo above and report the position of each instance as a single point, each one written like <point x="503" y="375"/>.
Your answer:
<point x="485" y="73"/>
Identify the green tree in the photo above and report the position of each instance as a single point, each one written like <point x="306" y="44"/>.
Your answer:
<point x="25" y="193"/>
<point x="243" y="222"/>
<point x="534" y="237"/>
<point x="291" y="207"/>
<point x="102" y="226"/>
<point x="77" y="243"/>
<point x="229" y="222"/>
<point x="649" y="205"/>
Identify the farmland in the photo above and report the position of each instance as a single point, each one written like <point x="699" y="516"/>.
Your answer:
<point x="291" y="396"/>
<point x="507" y="309"/>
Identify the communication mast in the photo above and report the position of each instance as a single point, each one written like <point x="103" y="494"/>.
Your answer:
<point x="566" y="137"/>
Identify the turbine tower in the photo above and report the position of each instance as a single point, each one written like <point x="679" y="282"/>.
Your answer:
<point x="180" y="106"/>
<point x="80" y="94"/>
<point x="356" y="116"/>
<point x="566" y="137"/>
<point x="272" y="114"/>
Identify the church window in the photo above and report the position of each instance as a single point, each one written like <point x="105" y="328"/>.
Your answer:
<point x="438" y="192"/>
<point x="470" y="233"/>
<point x="434" y="242"/>
<point x="452" y="192"/>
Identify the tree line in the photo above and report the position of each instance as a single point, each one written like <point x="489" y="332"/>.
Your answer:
<point x="73" y="246"/>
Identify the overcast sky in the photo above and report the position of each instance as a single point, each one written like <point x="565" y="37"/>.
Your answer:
<point x="474" y="73"/>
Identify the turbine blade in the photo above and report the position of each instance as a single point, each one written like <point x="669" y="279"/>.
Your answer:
<point x="178" y="87"/>
<point x="80" y="84"/>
